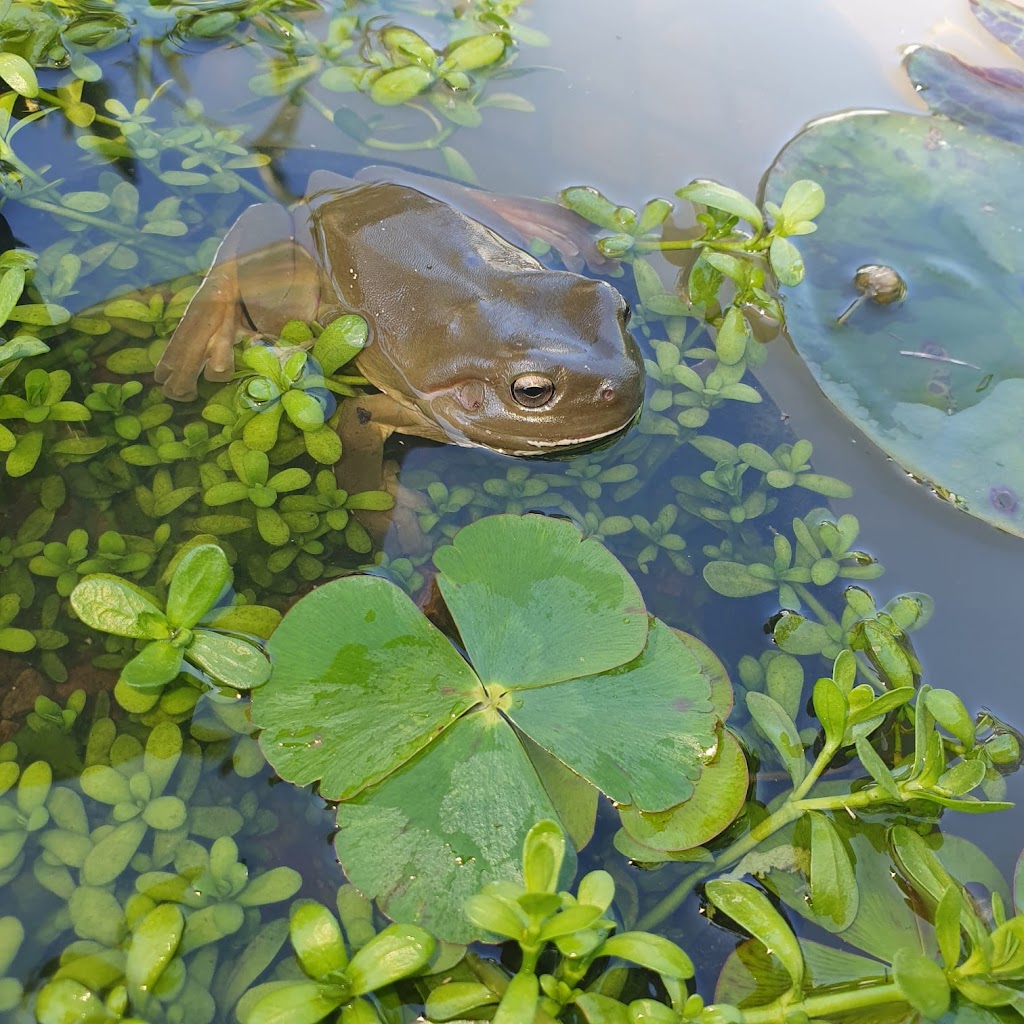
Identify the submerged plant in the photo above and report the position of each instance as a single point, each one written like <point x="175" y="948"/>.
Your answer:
<point x="334" y="980"/>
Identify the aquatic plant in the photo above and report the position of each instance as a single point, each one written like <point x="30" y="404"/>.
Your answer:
<point x="945" y="413"/>
<point x="172" y="634"/>
<point x="196" y="913"/>
<point x="333" y="979"/>
<point x="989" y="99"/>
<point x="626" y="707"/>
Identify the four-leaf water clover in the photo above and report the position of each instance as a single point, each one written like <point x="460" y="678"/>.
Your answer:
<point x="447" y="760"/>
<point x="112" y="605"/>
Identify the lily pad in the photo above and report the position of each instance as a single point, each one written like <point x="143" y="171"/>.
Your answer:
<point x="937" y="379"/>
<point x="434" y="755"/>
<point x="717" y="799"/>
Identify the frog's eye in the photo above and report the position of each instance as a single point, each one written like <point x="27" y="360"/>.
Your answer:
<point x="627" y="312"/>
<point x="533" y="390"/>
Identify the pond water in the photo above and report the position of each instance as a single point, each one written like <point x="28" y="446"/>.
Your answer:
<point x="636" y="103"/>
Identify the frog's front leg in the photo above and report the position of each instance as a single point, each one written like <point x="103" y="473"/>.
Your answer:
<point x="365" y="424"/>
<point x="262" y="276"/>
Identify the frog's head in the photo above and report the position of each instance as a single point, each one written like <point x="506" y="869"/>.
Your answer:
<point x="551" y="367"/>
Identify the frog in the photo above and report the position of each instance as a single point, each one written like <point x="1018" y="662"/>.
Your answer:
<point x="471" y="341"/>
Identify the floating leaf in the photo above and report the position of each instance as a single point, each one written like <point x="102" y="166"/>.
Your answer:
<point x="426" y="752"/>
<point x="579" y="585"/>
<point x="936" y="380"/>
<point x="988" y="99"/>
<point x="434" y="833"/>
<point x="717" y="798"/>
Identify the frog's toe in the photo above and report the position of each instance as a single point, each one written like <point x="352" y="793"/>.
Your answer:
<point x="220" y="362"/>
<point x="178" y="383"/>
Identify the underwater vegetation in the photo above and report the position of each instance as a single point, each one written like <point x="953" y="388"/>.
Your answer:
<point x="219" y="690"/>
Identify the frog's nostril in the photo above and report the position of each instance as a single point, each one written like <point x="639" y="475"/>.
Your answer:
<point x="607" y="394"/>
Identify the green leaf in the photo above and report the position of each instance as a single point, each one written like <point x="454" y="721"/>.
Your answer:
<point x="961" y="778"/>
<point x="110" y="856"/>
<point x="374" y="693"/>
<point x="781" y="732"/>
<point x="519" y="1001"/>
<point x="947" y="926"/>
<point x="543" y="853"/>
<point x="396" y="952"/>
<point x="620" y="730"/>
<point x="340" y="341"/>
<point x="287" y="1002"/>
<point x="303" y="410"/>
<point x="496" y="916"/>
<point x="950" y="713"/>
<point x="732" y="337"/>
<point x="229" y="660"/>
<point x="751" y="910"/>
<point x="200" y="579"/>
<point x="922" y="982"/>
<point x="732" y="579"/>
<point x="456" y="999"/>
<point x="877" y="768"/>
<point x="25" y="455"/>
<point x="165" y="813"/>
<point x="19" y="75"/>
<point x="424" y="840"/>
<point x="475" y="52"/>
<point x="803" y="200"/>
<point x="65" y="1001"/>
<point x="106" y="784"/>
<point x="317" y="939"/>
<point x="834" y="892"/>
<point x="539" y="577"/>
<point x="786" y="261"/>
<point x="153" y="667"/>
<point x="400" y="85"/>
<point x="651" y="951"/>
<point x="718" y="197"/>
<point x="717" y="799"/>
<point x="831" y="708"/>
<point x="112" y="605"/>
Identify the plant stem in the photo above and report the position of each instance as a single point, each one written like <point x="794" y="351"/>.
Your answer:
<point x="825" y="1005"/>
<point x="795" y="805"/>
<point x="783" y="816"/>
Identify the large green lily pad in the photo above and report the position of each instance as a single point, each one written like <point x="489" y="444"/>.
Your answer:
<point x="936" y="380"/>
<point x="434" y="757"/>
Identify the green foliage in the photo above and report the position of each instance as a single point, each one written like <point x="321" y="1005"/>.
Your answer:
<point x="536" y="916"/>
<point x="142" y="878"/>
<point x="333" y="979"/>
<point x="201" y="577"/>
<point x="416" y="696"/>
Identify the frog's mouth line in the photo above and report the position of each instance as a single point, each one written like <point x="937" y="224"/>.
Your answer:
<point x="565" y="448"/>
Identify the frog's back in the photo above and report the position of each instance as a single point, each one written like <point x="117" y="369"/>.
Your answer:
<point x="408" y="263"/>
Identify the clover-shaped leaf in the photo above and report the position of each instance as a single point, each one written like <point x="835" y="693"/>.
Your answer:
<point x="424" y="749"/>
